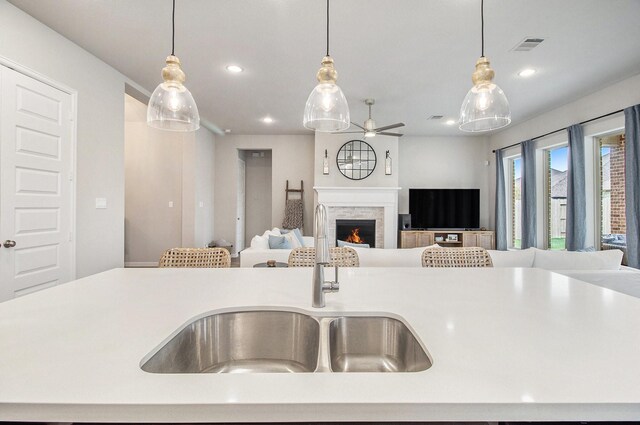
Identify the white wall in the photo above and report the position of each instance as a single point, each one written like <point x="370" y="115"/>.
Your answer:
<point x="258" y="193"/>
<point x="333" y="142"/>
<point x="100" y="131"/>
<point x="204" y="187"/>
<point x="163" y="167"/>
<point x="153" y="171"/>
<point x="292" y="159"/>
<point x="445" y="162"/>
<point x="616" y="96"/>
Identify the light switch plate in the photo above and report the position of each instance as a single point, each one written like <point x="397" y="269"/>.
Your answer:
<point x="101" y="203"/>
<point x="170" y="204"/>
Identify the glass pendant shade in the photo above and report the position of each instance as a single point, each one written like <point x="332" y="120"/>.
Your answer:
<point x="484" y="108"/>
<point x="326" y="109"/>
<point x="171" y="106"/>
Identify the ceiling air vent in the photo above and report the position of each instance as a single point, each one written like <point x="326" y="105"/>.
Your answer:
<point x="434" y="117"/>
<point x="529" y="43"/>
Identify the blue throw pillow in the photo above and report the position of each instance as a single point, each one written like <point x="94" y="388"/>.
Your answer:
<point x="353" y="245"/>
<point x="296" y="232"/>
<point x="278" y="242"/>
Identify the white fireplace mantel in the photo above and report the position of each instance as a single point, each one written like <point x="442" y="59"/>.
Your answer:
<point x="384" y="197"/>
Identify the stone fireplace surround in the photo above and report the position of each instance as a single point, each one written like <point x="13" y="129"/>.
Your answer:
<point x="373" y="203"/>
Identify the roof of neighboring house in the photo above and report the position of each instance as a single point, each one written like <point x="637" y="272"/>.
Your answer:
<point x="558" y="183"/>
<point x="559" y="180"/>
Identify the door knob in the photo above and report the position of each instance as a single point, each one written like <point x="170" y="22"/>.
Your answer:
<point x="9" y="244"/>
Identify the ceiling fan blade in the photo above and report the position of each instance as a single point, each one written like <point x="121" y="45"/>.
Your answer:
<point x="358" y="125"/>
<point x="384" y="133"/>
<point x="389" y="127"/>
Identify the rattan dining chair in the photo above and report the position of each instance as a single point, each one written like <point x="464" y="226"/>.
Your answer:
<point x="456" y="257"/>
<point x="340" y="256"/>
<point x="195" y="257"/>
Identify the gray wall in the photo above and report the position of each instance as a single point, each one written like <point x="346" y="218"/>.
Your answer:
<point x="443" y="163"/>
<point x="153" y="167"/>
<point x="616" y="96"/>
<point x="100" y="131"/>
<point x="333" y="142"/>
<point x="163" y="167"/>
<point x="292" y="158"/>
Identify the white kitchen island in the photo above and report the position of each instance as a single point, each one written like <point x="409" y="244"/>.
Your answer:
<point x="506" y="344"/>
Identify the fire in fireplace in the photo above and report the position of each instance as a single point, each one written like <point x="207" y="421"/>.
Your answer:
<point x="356" y="231"/>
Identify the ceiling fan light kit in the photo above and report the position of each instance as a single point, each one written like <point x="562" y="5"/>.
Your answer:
<point x="326" y="109"/>
<point x="171" y="106"/>
<point x="485" y="107"/>
<point x="369" y="129"/>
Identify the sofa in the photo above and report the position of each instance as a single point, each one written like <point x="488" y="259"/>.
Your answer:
<point x="259" y="250"/>
<point x="601" y="268"/>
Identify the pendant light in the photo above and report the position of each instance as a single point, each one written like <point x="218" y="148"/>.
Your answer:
<point x="326" y="109"/>
<point x="171" y="106"/>
<point x="485" y="107"/>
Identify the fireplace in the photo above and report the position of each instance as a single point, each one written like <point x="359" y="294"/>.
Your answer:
<point x="356" y="231"/>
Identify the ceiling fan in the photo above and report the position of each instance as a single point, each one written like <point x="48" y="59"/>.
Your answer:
<point x="370" y="129"/>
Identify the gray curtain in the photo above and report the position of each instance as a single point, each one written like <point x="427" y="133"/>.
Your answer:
<point x="501" y="204"/>
<point x="576" y="194"/>
<point x="528" y="195"/>
<point x="632" y="182"/>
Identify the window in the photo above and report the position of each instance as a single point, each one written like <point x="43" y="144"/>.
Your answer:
<point x="556" y="193"/>
<point x="516" y="202"/>
<point x="612" y="194"/>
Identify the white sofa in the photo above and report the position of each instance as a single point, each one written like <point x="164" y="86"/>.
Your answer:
<point x="601" y="268"/>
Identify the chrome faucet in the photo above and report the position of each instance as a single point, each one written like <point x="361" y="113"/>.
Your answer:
<point x="323" y="257"/>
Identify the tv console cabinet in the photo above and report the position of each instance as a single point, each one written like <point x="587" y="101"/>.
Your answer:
<point x="450" y="238"/>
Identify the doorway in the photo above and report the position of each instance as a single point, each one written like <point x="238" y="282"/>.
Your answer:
<point x="256" y="193"/>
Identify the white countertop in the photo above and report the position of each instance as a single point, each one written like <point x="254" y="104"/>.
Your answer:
<point x="506" y="344"/>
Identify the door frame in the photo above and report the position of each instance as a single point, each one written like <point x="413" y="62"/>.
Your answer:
<point x="4" y="61"/>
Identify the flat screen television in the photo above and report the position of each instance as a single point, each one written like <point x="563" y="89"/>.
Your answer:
<point x="444" y="208"/>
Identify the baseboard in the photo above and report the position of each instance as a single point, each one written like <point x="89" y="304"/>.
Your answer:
<point x="141" y="264"/>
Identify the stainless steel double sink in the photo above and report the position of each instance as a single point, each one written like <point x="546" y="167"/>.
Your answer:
<point x="292" y="342"/>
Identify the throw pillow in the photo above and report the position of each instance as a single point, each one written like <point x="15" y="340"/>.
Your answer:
<point x="353" y="245"/>
<point x="260" y="242"/>
<point x="296" y="232"/>
<point x="569" y="260"/>
<point x="515" y="258"/>
<point x="293" y="241"/>
<point x="279" y="242"/>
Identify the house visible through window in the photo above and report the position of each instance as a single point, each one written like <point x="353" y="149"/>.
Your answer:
<point x="516" y="202"/>
<point x="613" y="221"/>
<point x="556" y="197"/>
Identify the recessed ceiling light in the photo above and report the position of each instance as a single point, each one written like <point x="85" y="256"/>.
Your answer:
<point x="227" y="130"/>
<point x="450" y="122"/>
<point x="235" y="69"/>
<point x="267" y="120"/>
<point x="527" y="72"/>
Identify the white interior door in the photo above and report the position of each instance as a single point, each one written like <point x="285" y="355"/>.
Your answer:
<point x="36" y="159"/>
<point x="240" y="217"/>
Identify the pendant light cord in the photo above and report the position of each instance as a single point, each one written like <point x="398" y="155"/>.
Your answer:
<point x="327" y="27"/>
<point x="482" y="23"/>
<point x="173" y="28"/>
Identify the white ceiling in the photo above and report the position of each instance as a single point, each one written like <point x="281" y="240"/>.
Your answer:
<point x="415" y="57"/>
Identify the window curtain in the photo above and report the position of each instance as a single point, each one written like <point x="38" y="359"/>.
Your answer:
<point x="528" y="195"/>
<point x="632" y="182"/>
<point x="576" y="195"/>
<point x="501" y="204"/>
